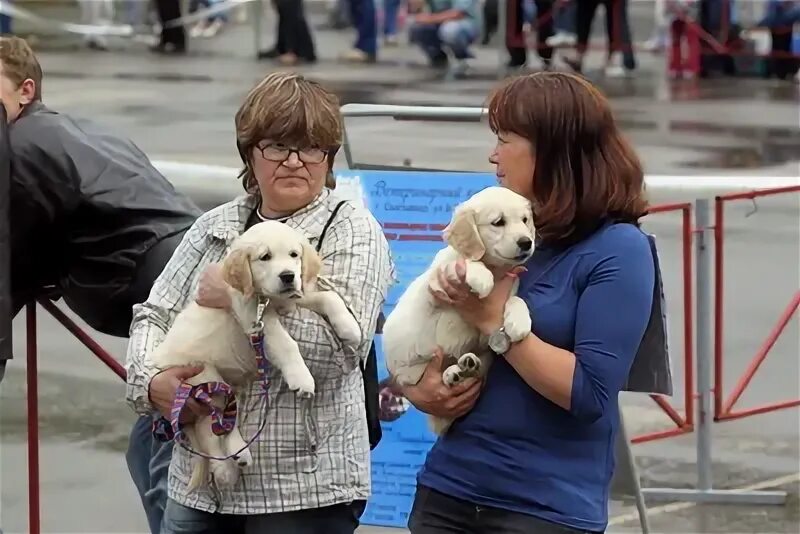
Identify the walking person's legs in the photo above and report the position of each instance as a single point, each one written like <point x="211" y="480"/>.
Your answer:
<point x="173" y="38"/>
<point x="365" y="48"/>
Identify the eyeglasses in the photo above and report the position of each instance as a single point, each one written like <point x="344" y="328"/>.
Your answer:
<point x="279" y="153"/>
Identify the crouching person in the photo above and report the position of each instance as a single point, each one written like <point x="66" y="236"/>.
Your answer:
<point x="445" y="27"/>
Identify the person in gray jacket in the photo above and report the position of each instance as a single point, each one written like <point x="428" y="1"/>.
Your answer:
<point x="92" y="221"/>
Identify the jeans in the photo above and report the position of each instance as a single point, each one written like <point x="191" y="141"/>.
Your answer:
<point x="455" y="34"/>
<point x="362" y="13"/>
<point x="564" y="17"/>
<point x="437" y="513"/>
<point x="336" y="519"/>
<point x="196" y="5"/>
<point x="390" y="11"/>
<point x="148" y="462"/>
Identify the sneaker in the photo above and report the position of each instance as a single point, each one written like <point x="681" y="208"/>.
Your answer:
<point x="391" y="41"/>
<point x="561" y="39"/>
<point x="197" y="30"/>
<point x="356" y="55"/>
<point x="616" y="71"/>
<point x="213" y="29"/>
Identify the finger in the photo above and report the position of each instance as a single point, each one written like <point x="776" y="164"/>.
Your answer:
<point x="461" y="269"/>
<point x="454" y="289"/>
<point x="197" y="407"/>
<point x="188" y="372"/>
<point x="441" y="296"/>
<point x="444" y="283"/>
<point x="462" y="387"/>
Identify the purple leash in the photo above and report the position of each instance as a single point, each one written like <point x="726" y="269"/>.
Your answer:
<point x="223" y="420"/>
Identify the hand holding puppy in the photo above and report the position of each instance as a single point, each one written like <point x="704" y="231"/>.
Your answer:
<point x="432" y="396"/>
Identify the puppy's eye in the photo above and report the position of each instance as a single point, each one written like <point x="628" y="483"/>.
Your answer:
<point x="293" y="254"/>
<point x="266" y="257"/>
<point x="525" y="220"/>
<point x="499" y="222"/>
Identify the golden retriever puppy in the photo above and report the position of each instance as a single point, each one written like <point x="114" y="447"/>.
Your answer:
<point x="275" y="265"/>
<point x="492" y="229"/>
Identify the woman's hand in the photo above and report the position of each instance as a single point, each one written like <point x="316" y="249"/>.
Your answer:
<point x="162" y="391"/>
<point x="484" y="314"/>
<point x="213" y="290"/>
<point x="432" y="396"/>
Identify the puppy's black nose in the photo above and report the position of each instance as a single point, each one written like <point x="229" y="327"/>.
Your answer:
<point x="524" y="244"/>
<point x="287" y="277"/>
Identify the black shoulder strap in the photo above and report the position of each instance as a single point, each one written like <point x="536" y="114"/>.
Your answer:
<point x="328" y="224"/>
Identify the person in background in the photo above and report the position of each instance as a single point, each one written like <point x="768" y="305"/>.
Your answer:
<point x="210" y="26"/>
<point x="311" y="468"/>
<point x="564" y="24"/>
<point x="294" y="44"/>
<point x="535" y="14"/>
<point x="391" y="20"/>
<point x="621" y="60"/>
<point x="364" y="17"/>
<point x="97" y="13"/>
<point x="545" y="466"/>
<point x="92" y="221"/>
<point x="779" y="19"/>
<point x="445" y="27"/>
<point x="173" y="38"/>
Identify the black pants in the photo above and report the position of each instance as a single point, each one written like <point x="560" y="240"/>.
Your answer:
<point x="293" y="33"/>
<point x="436" y="513"/>
<point x="544" y="30"/>
<point x="782" y="65"/>
<point x="169" y="10"/>
<point x="617" y="27"/>
<point x="336" y="519"/>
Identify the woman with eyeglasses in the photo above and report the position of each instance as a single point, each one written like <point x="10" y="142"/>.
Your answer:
<point x="311" y="468"/>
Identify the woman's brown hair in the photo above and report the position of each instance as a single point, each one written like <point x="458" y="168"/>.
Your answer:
<point x="291" y="109"/>
<point x="586" y="171"/>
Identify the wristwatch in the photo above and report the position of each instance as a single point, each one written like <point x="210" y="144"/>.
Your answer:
<point x="499" y="341"/>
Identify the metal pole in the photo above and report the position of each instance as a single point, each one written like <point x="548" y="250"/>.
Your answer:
<point x="502" y="36"/>
<point x="704" y="348"/>
<point x="257" y="12"/>
<point x="34" y="526"/>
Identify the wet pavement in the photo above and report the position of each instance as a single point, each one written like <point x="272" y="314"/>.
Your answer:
<point x="181" y="110"/>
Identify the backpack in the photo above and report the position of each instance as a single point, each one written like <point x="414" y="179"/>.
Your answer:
<point x="369" y="368"/>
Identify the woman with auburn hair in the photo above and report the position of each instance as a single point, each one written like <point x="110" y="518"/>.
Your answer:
<point x="532" y="449"/>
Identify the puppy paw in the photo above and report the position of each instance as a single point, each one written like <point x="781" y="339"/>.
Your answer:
<point x="348" y="330"/>
<point x="455" y="374"/>
<point x="516" y="319"/>
<point x="299" y="379"/>
<point x="469" y="364"/>
<point x="244" y="458"/>
<point x="479" y="279"/>
<point x="226" y="474"/>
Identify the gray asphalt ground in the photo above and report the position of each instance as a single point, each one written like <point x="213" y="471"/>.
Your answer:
<point x="181" y="110"/>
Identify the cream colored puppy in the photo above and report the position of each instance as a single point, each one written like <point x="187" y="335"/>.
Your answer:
<point x="273" y="261"/>
<point x="492" y="229"/>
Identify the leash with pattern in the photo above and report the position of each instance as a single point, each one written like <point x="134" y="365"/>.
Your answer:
<point x="222" y="420"/>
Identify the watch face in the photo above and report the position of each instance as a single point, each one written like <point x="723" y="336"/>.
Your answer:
<point x="499" y="342"/>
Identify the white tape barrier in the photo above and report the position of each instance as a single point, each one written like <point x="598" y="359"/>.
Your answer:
<point x="112" y="30"/>
<point x="218" y="176"/>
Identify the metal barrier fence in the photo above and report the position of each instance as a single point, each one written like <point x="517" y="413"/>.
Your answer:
<point x="723" y="409"/>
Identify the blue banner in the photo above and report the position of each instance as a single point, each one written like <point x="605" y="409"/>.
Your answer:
<point x="413" y="209"/>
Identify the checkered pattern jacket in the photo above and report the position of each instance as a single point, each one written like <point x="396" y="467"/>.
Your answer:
<point x="303" y="459"/>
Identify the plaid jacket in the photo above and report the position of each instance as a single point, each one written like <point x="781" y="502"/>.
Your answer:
<point x="303" y="459"/>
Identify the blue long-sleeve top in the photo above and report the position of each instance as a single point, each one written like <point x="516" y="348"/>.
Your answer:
<point x="517" y="450"/>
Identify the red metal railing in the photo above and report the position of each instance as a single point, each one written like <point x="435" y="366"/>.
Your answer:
<point x="723" y="408"/>
<point x="684" y="423"/>
<point x="34" y="525"/>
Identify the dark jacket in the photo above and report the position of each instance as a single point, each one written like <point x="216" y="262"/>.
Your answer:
<point x="5" y="244"/>
<point x="86" y="207"/>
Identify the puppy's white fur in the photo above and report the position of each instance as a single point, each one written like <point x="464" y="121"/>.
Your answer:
<point x="489" y="230"/>
<point x="269" y="259"/>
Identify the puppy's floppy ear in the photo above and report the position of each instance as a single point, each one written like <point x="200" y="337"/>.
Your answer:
<point x="236" y="271"/>
<point x="311" y="265"/>
<point x="462" y="234"/>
